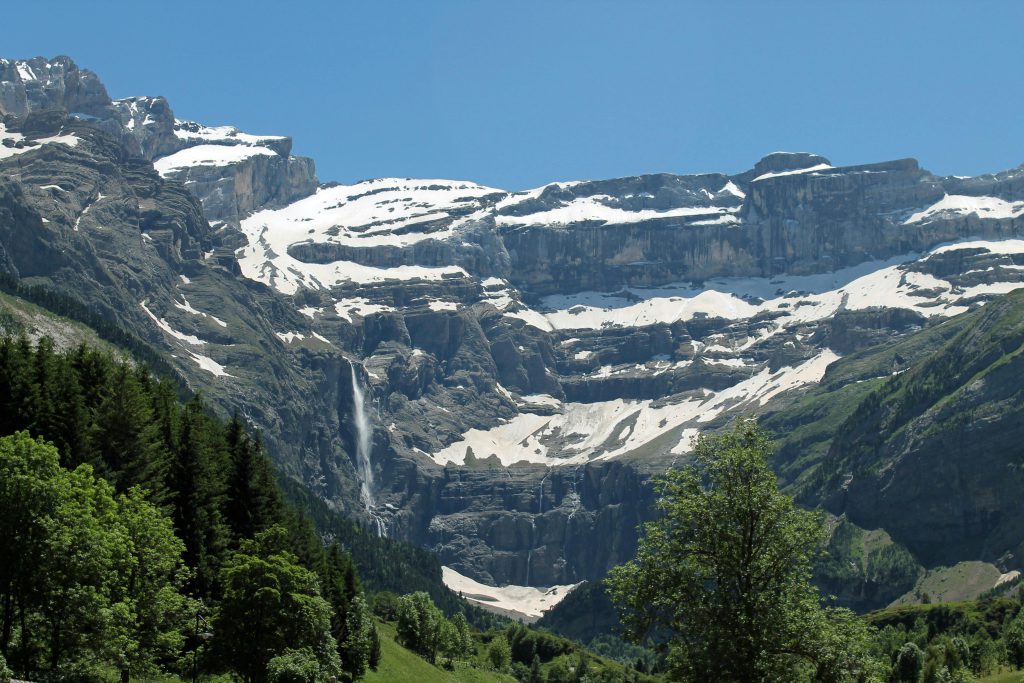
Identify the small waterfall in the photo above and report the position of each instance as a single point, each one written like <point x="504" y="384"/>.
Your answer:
<point x="529" y="553"/>
<point x="533" y="524"/>
<point x="364" y="448"/>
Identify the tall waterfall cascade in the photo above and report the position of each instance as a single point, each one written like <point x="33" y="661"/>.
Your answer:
<point x="364" y="448"/>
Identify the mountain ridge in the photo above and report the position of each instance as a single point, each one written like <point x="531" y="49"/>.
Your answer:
<point x="530" y="357"/>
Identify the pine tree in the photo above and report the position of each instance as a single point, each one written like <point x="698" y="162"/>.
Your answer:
<point x="17" y="389"/>
<point x="375" y="652"/>
<point x="253" y="501"/>
<point x="536" y="675"/>
<point x="126" y="439"/>
<point x="195" y="480"/>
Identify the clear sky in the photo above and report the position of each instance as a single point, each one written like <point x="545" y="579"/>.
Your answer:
<point x="518" y="93"/>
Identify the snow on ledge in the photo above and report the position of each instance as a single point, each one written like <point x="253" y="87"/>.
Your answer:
<point x="603" y="430"/>
<point x="525" y="601"/>
<point x="69" y="139"/>
<point x="208" y="155"/>
<point x="963" y="205"/>
<point x="811" y="169"/>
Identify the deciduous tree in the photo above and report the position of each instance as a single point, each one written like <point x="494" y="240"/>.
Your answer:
<point x="724" y="574"/>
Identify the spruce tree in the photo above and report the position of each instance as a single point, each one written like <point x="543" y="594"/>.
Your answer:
<point x="126" y="438"/>
<point x="253" y="501"/>
<point x="195" y="480"/>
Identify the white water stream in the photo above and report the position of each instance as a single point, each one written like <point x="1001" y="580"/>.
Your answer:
<point x="364" y="448"/>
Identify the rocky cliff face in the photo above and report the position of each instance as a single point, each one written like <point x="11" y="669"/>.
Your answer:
<point x="40" y="84"/>
<point x="530" y="358"/>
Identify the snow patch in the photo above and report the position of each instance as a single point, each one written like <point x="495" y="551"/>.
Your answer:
<point x="187" y="307"/>
<point x="360" y="306"/>
<point x="384" y="212"/>
<point x="1008" y="576"/>
<point x="192" y="132"/>
<point x="289" y="337"/>
<point x="527" y="601"/>
<point x="609" y="429"/>
<point x="791" y="298"/>
<point x="6" y="152"/>
<point x="208" y="364"/>
<point x="208" y="155"/>
<point x="812" y="169"/>
<point x="731" y="188"/>
<point x="962" y="205"/>
<point x="165" y="326"/>
<point x="584" y="209"/>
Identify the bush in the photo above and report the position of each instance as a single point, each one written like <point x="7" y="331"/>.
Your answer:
<point x="5" y="673"/>
<point x="385" y="605"/>
<point x="294" y="666"/>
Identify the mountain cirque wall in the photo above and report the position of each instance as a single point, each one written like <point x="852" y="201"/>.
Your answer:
<point x="529" y="357"/>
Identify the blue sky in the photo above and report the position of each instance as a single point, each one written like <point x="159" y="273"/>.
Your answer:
<point x="517" y="94"/>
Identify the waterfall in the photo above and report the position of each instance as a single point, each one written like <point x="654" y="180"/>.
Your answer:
<point x="533" y="524"/>
<point x="364" y="447"/>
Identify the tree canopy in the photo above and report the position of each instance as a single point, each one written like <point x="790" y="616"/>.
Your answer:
<point x="723" y="576"/>
<point x="121" y="508"/>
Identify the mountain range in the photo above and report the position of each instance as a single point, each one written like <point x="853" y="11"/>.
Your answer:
<point x="522" y="362"/>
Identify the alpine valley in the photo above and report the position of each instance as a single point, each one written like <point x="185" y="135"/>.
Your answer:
<point x="496" y="375"/>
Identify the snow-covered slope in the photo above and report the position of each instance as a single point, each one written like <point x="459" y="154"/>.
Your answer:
<point x="344" y="247"/>
<point x="519" y="602"/>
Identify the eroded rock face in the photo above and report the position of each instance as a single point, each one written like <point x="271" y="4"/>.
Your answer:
<point x="551" y="514"/>
<point x="529" y="358"/>
<point x="39" y="84"/>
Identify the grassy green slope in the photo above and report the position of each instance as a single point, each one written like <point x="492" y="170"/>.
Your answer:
<point x="919" y="438"/>
<point x="399" y="664"/>
<point x="806" y="428"/>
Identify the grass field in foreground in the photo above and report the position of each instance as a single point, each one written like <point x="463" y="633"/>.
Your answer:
<point x="399" y="664"/>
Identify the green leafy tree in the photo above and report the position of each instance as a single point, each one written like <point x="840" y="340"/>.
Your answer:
<point x="456" y="640"/>
<point x="5" y="673"/>
<point x="464" y="647"/>
<point x="271" y="604"/>
<point x="84" y="545"/>
<point x="94" y="579"/>
<point x="725" y="572"/>
<point x="295" y="666"/>
<point x="499" y="653"/>
<point x="447" y="643"/>
<point x="150" y="611"/>
<point x="385" y="605"/>
<point x="559" y="672"/>
<point x="581" y="672"/>
<point x="909" y="663"/>
<point x="28" y="501"/>
<point x="356" y="649"/>
<point x="845" y="649"/>
<point x="419" y="625"/>
<point x="1013" y="637"/>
